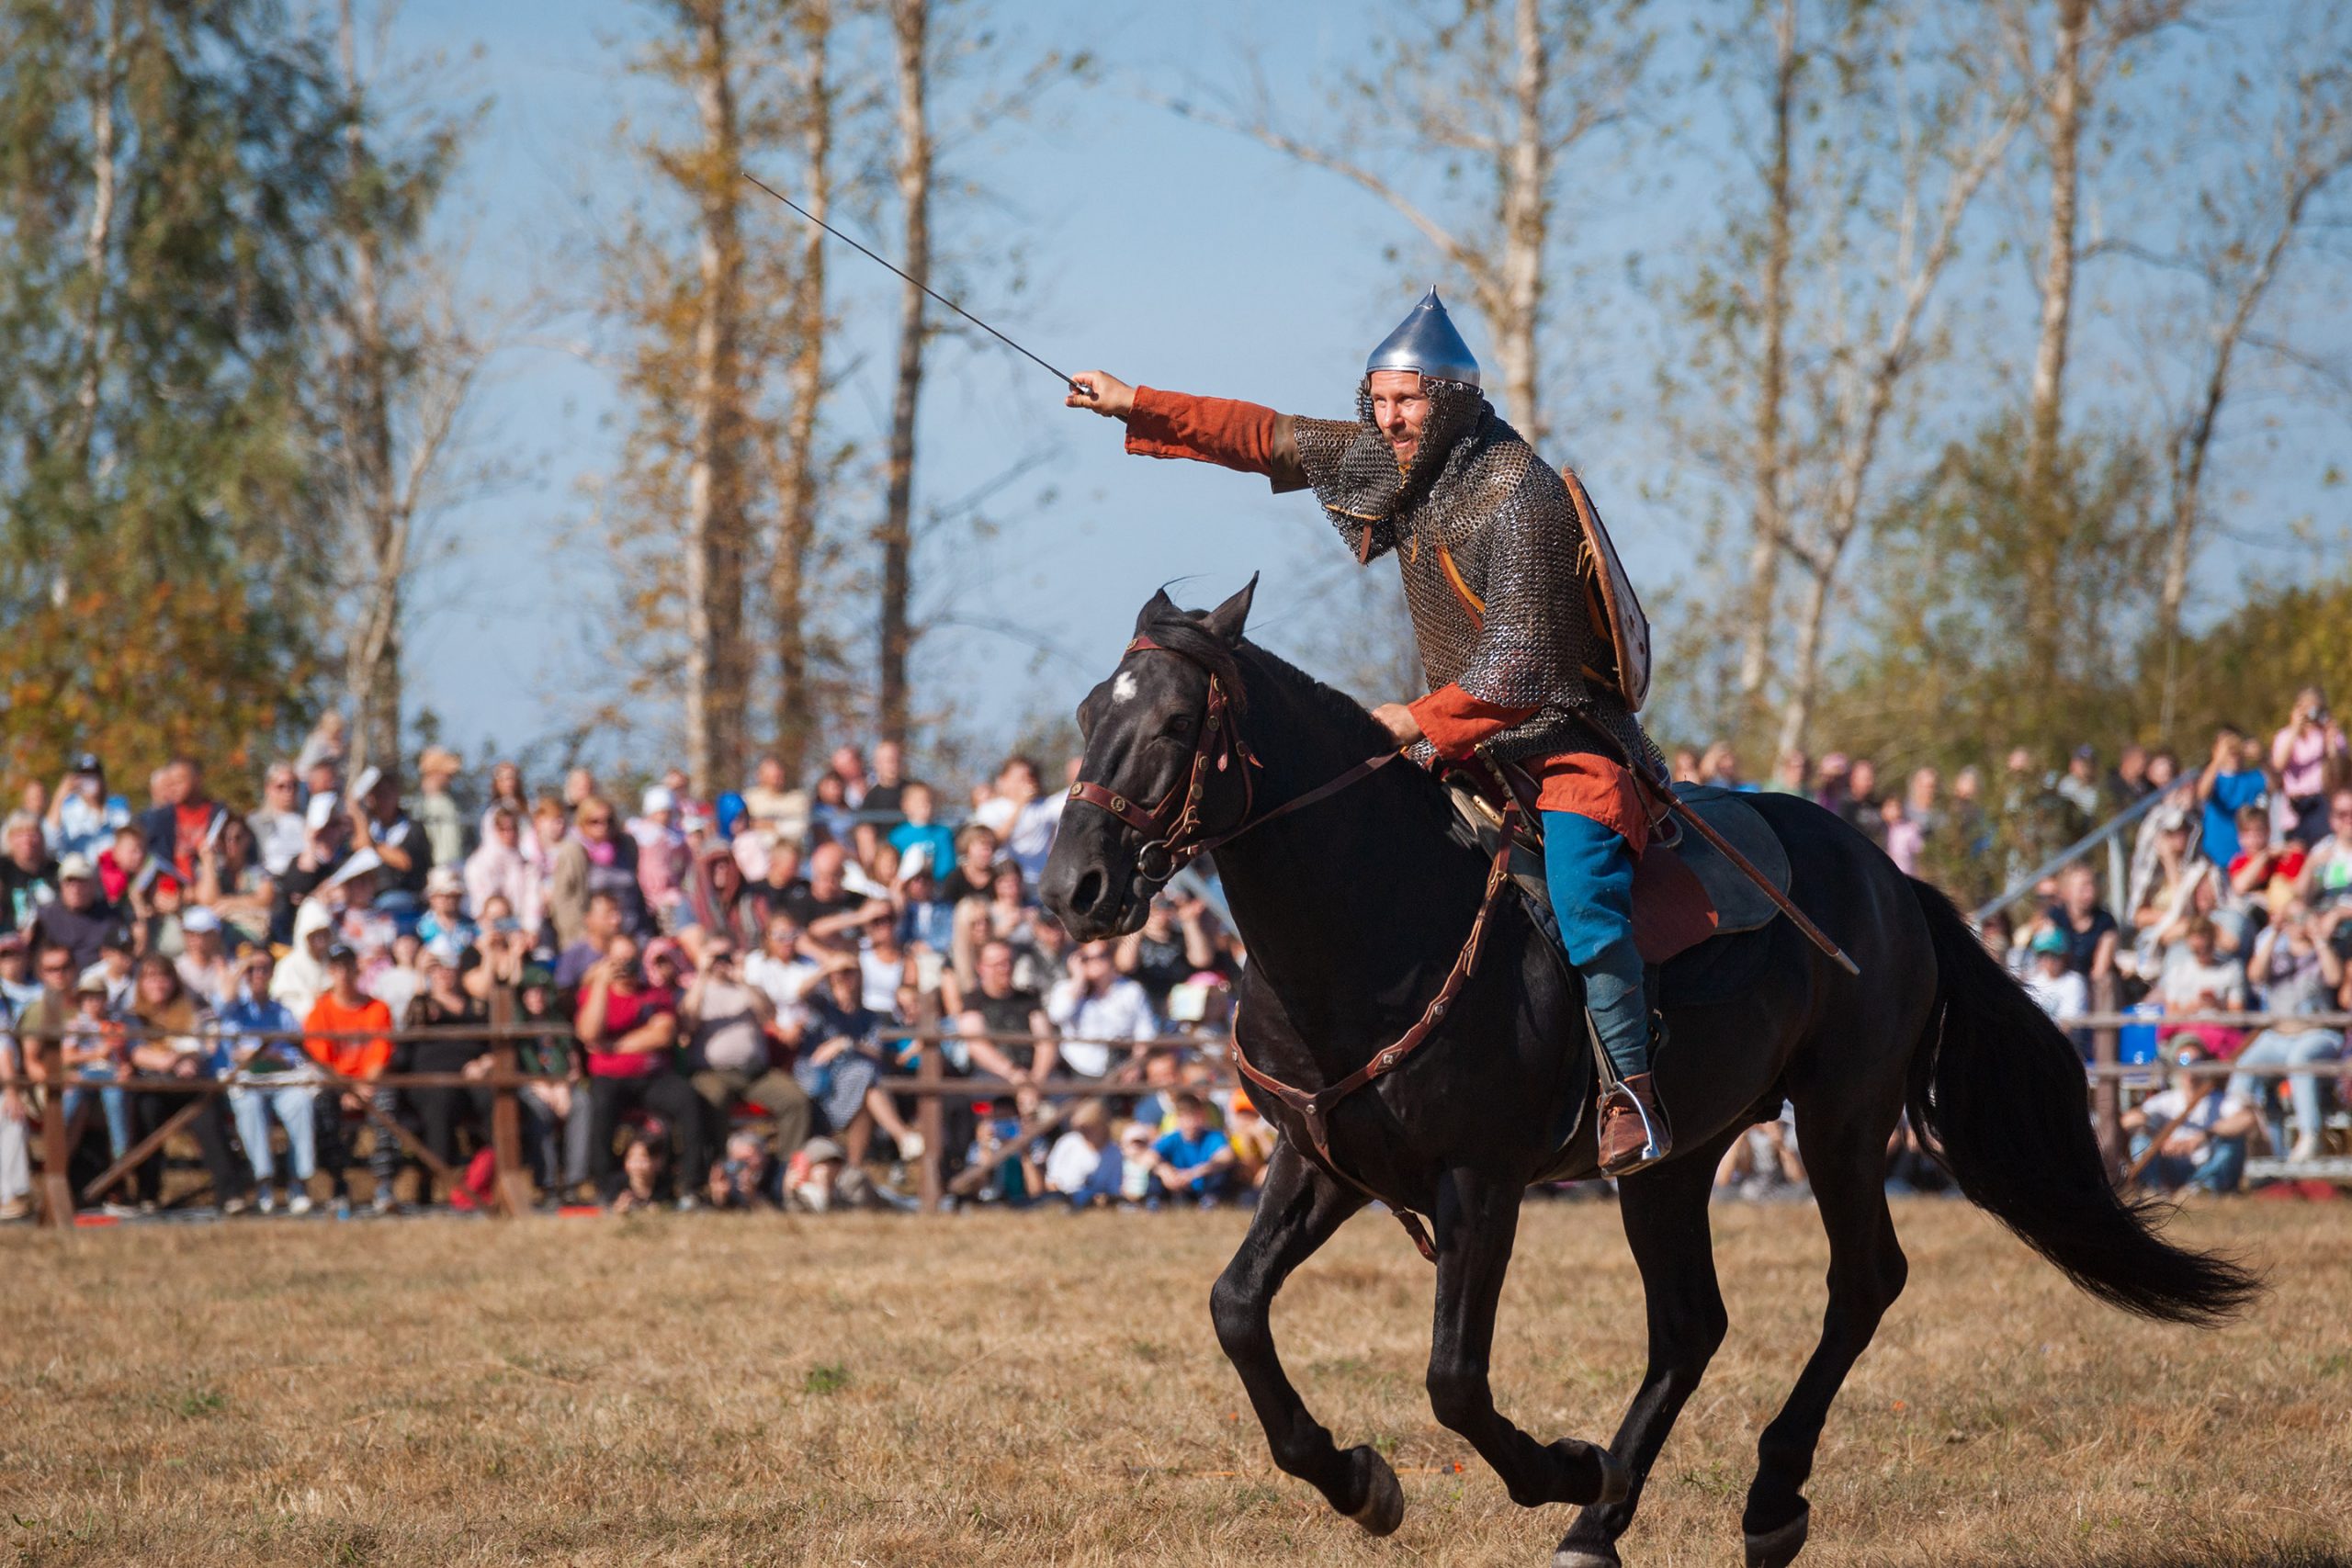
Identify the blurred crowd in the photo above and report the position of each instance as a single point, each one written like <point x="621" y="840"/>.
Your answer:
<point x="720" y="1001"/>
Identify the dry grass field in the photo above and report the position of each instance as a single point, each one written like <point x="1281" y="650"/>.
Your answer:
<point x="1045" y="1389"/>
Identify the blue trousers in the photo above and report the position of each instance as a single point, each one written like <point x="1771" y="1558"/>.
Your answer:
<point x="1589" y="870"/>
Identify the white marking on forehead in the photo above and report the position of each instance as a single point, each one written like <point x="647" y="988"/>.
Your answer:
<point x="1123" y="687"/>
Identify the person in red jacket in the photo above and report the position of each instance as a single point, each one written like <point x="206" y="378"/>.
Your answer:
<point x="1514" y="596"/>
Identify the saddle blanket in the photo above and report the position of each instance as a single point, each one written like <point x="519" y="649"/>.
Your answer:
<point x="1685" y="892"/>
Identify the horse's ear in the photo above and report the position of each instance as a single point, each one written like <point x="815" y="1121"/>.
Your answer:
<point x="1229" y="619"/>
<point x="1158" y="609"/>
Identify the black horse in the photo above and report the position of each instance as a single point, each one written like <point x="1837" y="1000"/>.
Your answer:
<point x="1354" y="911"/>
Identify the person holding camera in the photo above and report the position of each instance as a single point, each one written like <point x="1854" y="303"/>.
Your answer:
<point x="2308" y="756"/>
<point x="732" y="1053"/>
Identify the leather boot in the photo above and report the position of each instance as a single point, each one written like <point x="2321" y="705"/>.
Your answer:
<point x="1633" y="1134"/>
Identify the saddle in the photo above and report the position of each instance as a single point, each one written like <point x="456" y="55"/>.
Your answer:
<point x="1685" y="892"/>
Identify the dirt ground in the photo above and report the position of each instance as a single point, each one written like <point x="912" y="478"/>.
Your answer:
<point x="1045" y="1389"/>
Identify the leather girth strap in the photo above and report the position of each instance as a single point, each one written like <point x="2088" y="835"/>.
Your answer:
<point x="1314" y="1108"/>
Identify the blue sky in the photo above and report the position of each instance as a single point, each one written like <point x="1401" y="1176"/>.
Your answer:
<point x="1162" y="248"/>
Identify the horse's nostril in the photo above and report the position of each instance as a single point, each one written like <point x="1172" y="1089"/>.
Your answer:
<point x="1089" y="889"/>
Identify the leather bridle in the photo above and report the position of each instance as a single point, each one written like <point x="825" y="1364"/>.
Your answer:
<point x="1171" y="834"/>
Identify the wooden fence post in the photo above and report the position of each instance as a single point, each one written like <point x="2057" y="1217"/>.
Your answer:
<point x="513" y="1181"/>
<point x="56" y="1187"/>
<point x="931" y="1114"/>
<point x="2107" y="1093"/>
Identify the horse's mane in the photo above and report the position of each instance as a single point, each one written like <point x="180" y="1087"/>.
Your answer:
<point x="1325" y="703"/>
<point x="1184" y="632"/>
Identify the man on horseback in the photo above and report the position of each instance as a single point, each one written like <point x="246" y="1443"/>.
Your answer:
<point x="1515" y="596"/>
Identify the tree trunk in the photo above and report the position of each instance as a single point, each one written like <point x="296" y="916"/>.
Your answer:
<point x="795" y="702"/>
<point x="716" y="665"/>
<point x="1525" y="216"/>
<point x="1770" y="521"/>
<point x="909" y="24"/>
<point x="97" y="242"/>
<point x="372" y="660"/>
<point x="1796" y="716"/>
<point x="2045" y="533"/>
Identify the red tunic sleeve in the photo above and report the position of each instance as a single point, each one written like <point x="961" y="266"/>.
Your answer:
<point x="1455" y="722"/>
<point x="1230" y="433"/>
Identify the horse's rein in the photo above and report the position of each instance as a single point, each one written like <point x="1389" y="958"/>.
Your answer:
<point x="1164" y="827"/>
<point x="1168" y="828"/>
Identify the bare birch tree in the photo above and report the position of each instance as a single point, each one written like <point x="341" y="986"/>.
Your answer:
<point x="1472" y="117"/>
<point x="2266" y="209"/>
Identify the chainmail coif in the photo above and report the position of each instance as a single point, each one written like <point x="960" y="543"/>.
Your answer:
<point x="1491" y="554"/>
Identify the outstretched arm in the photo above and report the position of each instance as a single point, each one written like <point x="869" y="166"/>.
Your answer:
<point x="1233" y="434"/>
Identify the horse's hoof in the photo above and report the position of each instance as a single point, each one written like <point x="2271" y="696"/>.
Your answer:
<point x="1578" y="1557"/>
<point x="1384" y="1507"/>
<point x="1779" y="1548"/>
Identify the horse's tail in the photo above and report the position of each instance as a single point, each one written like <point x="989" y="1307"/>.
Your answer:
<point x="1999" y="1095"/>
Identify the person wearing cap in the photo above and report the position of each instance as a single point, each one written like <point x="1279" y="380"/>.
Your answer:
<point x="2204" y="1126"/>
<point x="350" y="1036"/>
<point x="81" y="819"/>
<point x="661" y="854"/>
<point x="443" y="928"/>
<point x="278" y="1083"/>
<point x="79" y="919"/>
<point x="435" y="812"/>
<point x="2053" y="982"/>
<point x="204" y="966"/>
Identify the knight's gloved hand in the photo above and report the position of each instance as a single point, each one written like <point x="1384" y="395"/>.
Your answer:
<point x="1101" y="391"/>
<point x="1398" y="720"/>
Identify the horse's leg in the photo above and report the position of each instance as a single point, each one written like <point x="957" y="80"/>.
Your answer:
<point x="1844" y="1145"/>
<point x="1478" y="1220"/>
<point x="1666" y="1220"/>
<point x="1298" y="1212"/>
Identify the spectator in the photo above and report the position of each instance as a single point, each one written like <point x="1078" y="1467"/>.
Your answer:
<point x="27" y="876"/>
<point x="502" y="868"/>
<point x="81" y="819"/>
<point x="1861" y="805"/>
<point x="379" y="822"/>
<point x="1094" y="1005"/>
<point x="1082" y="1166"/>
<point x="599" y="924"/>
<point x="2232" y="779"/>
<point x="2090" y="932"/>
<point x="641" y="1177"/>
<point x="445" y="1005"/>
<point x="558" y="1110"/>
<point x="1253" y="1139"/>
<point x="1192" y="1159"/>
<point x="303" y="976"/>
<point x="829" y="914"/>
<point x="839" y="1063"/>
<point x="507" y="793"/>
<point x="594" y="859"/>
<point x="1006" y="1011"/>
<point x="1004" y="914"/>
<point x="2127" y="781"/>
<point x="121" y="864"/>
<point x="2199" y="978"/>
<point x="173" y="1028"/>
<point x="2326" y="876"/>
<point x="231" y="882"/>
<point x="2308" y="756"/>
<point x="16" y="1124"/>
<point x="443" y="929"/>
<point x="1030" y="834"/>
<point x="2262" y="871"/>
<point x="1902" y="838"/>
<point x="831" y="814"/>
<point x="2079" y="788"/>
<point x="717" y="914"/>
<point x="1790" y="774"/>
<point x="204" y="966"/>
<point x="2055" y="984"/>
<point x="730" y="1058"/>
<point x="784" y="970"/>
<point x="926" y="924"/>
<point x="349" y="1034"/>
<point x="323" y="747"/>
<point x="79" y="920"/>
<point x="1170" y="946"/>
<point x="2198" y="1127"/>
<point x="661" y="854"/>
<point x="18" y="987"/>
<point x="2297" y="966"/>
<point x="436" y="814"/>
<point x="822" y="1178"/>
<point x="95" y="1052"/>
<point x="748" y="1177"/>
<point x="399" y="980"/>
<point x="279" y="1083"/>
<point x="628" y="1026"/>
<point x="773" y="808"/>
<point x="1719" y="769"/>
<point x="1832" y="787"/>
<point x="579" y="784"/>
<point x="182" y="818"/>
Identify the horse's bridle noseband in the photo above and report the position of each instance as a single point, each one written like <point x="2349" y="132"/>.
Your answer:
<point x="1169" y="828"/>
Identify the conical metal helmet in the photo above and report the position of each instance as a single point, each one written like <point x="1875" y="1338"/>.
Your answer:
<point x="1425" y="341"/>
